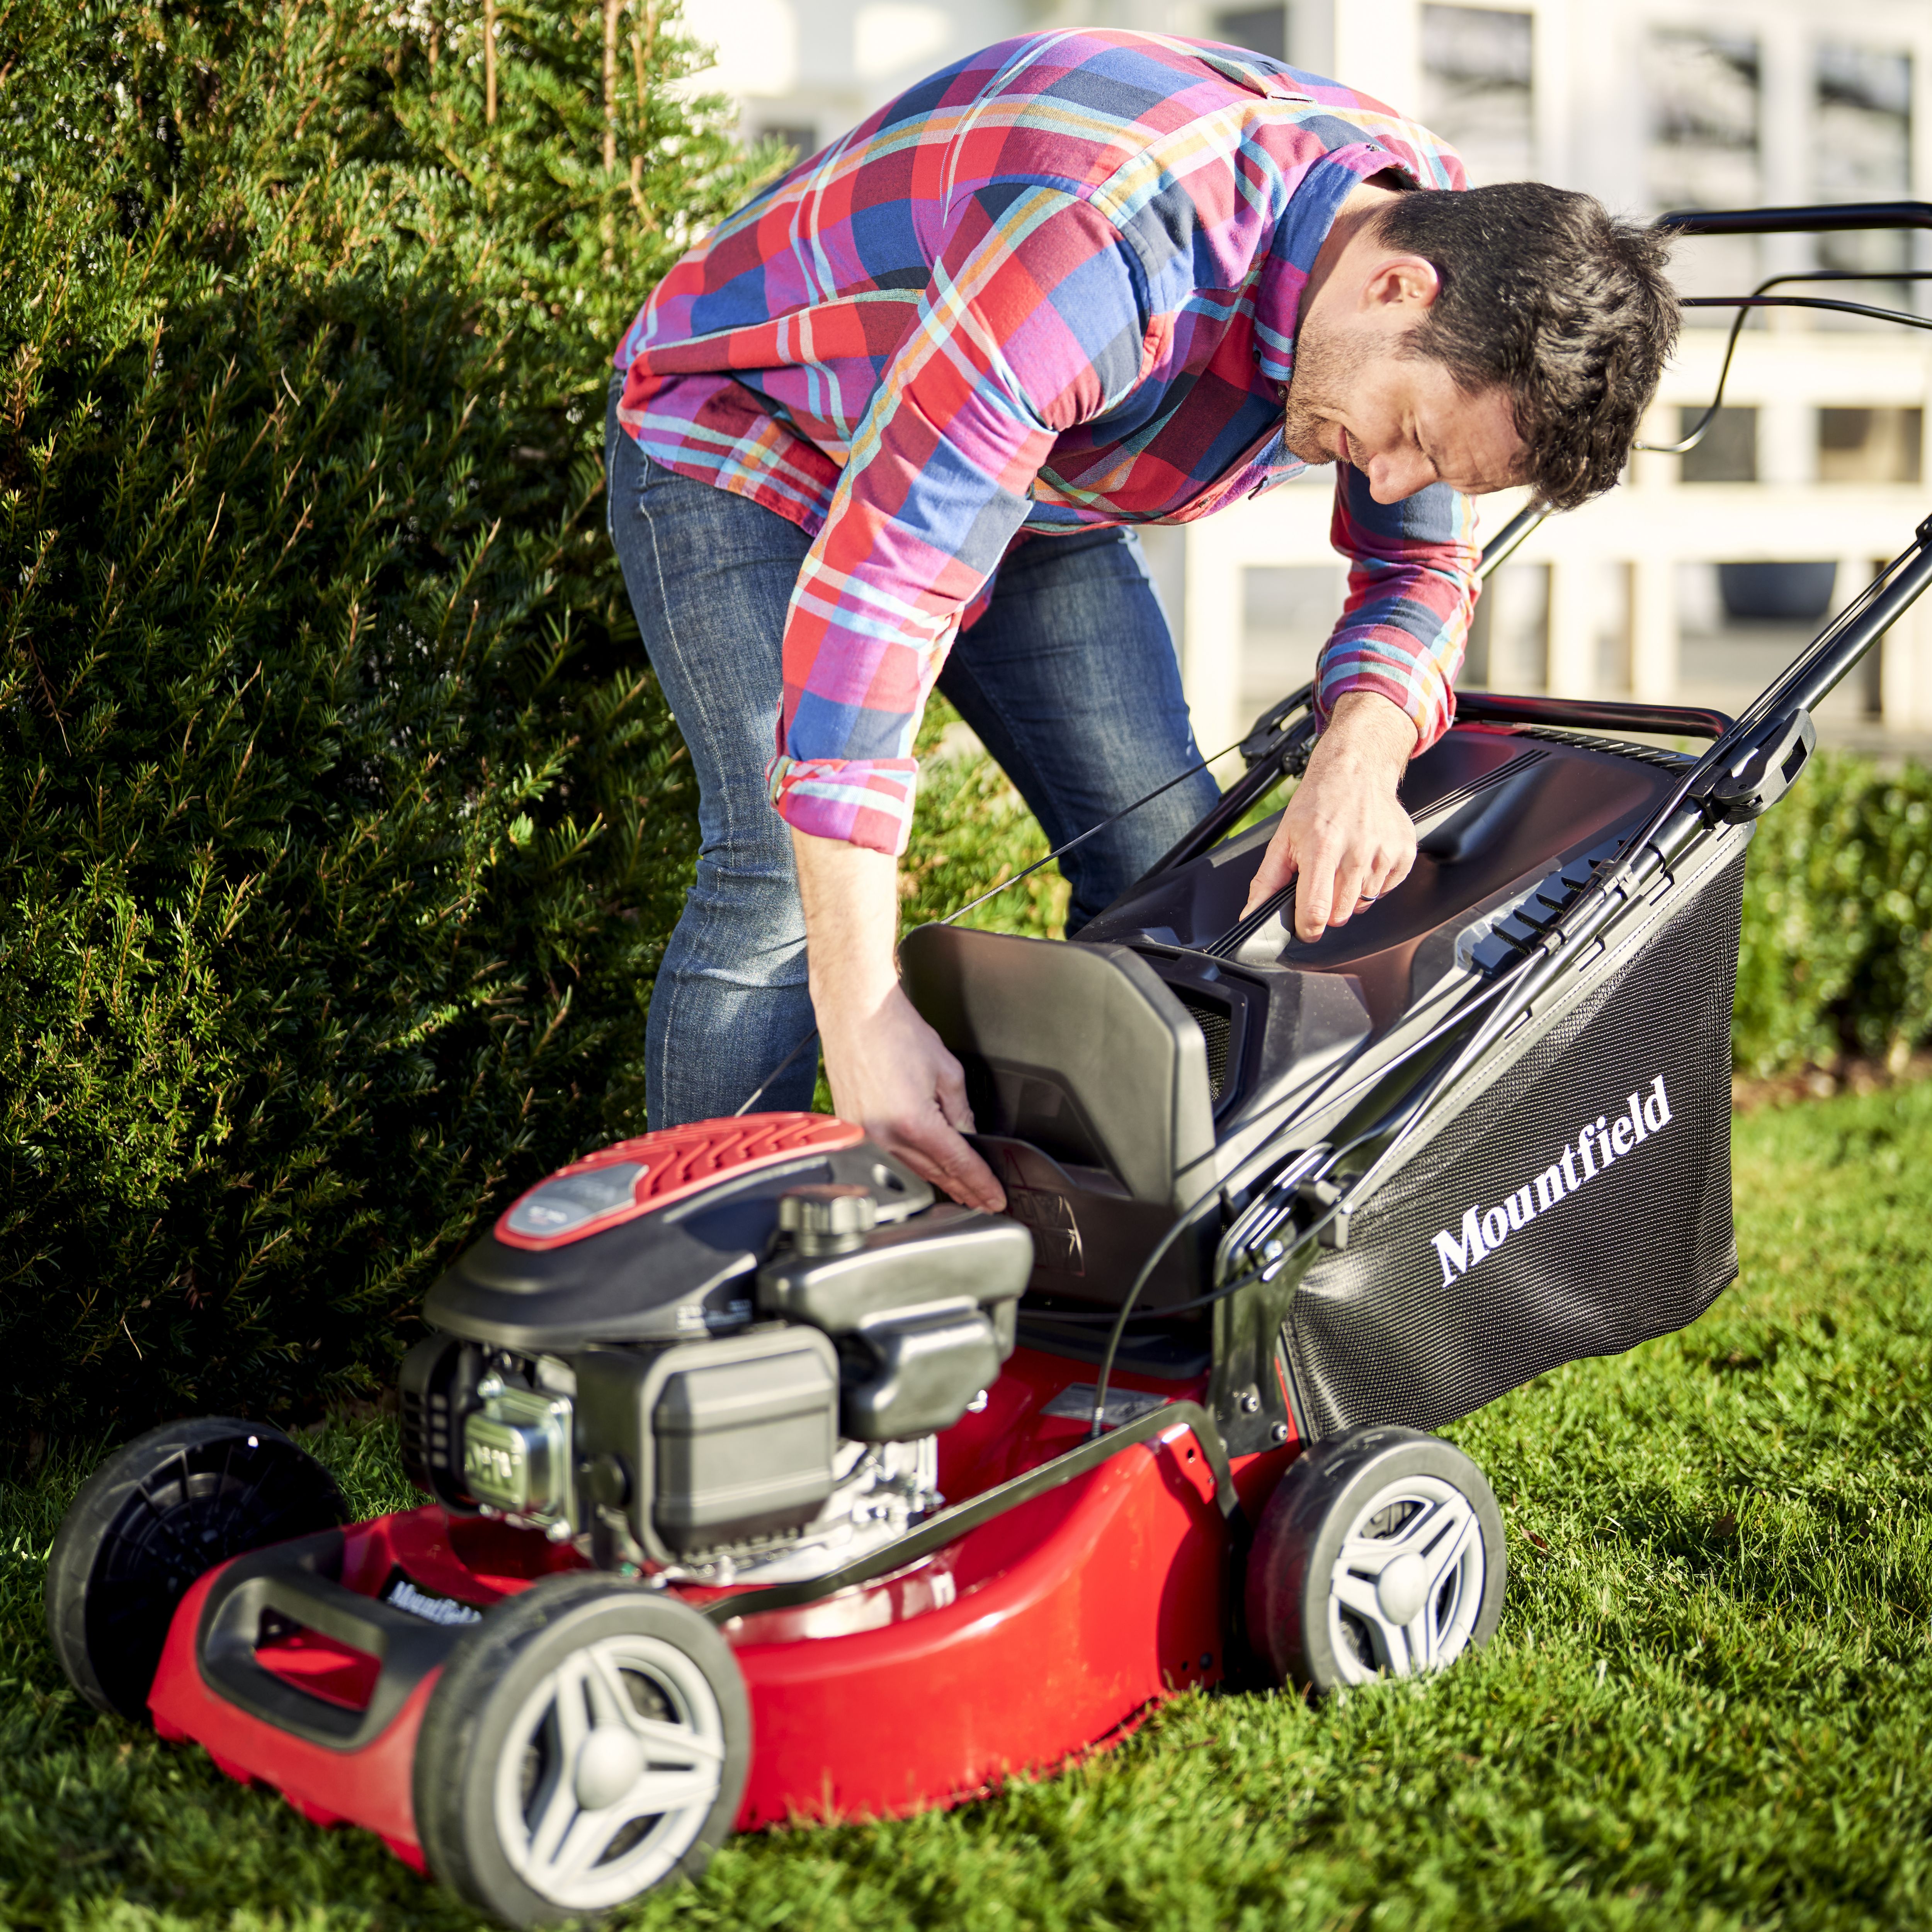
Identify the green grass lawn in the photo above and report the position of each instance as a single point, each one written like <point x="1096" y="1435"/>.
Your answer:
<point x="1710" y="1704"/>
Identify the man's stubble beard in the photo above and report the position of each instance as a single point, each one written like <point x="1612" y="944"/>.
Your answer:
<point x="1328" y="361"/>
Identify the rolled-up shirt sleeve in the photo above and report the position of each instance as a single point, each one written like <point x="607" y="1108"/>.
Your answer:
<point x="1412" y="588"/>
<point x="1035" y="319"/>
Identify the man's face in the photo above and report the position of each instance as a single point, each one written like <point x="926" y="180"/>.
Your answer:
<point x="1399" y="419"/>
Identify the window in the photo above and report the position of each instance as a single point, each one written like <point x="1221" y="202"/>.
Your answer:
<point x="1862" y="141"/>
<point x="1870" y="445"/>
<point x="801" y="139"/>
<point x="1728" y="453"/>
<point x="1262" y="30"/>
<point x="1509" y="636"/>
<point x="1287" y="614"/>
<point x="1703" y="92"/>
<point x="1477" y="89"/>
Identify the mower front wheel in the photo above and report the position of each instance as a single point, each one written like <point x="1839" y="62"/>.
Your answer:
<point x="588" y="1740"/>
<point x="160" y="1512"/>
<point x="1381" y="1551"/>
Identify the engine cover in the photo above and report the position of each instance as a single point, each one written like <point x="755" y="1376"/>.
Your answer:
<point x="655" y="1239"/>
<point x="924" y="1311"/>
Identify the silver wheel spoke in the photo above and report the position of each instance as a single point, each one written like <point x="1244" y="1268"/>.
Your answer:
<point x="609" y="1700"/>
<point x="588" y="1839"/>
<point x="557" y="1813"/>
<point x="1357" y="1594"/>
<point x="1403" y="1589"/>
<point x="1392" y="1640"/>
<point x="1420" y="1530"/>
<point x="657" y="1792"/>
<point x="1456" y="1528"/>
<point x="1422" y="1638"/>
<point x="1448" y="1551"/>
<point x="556" y="1805"/>
<point x="672" y="1744"/>
<point x="1370" y="1555"/>
<point x="573" y="1719"/>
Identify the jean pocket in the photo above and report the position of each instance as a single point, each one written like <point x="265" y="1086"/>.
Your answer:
<point x="628" y="476"/>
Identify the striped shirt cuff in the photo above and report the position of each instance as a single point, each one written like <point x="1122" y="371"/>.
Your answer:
<point x="860" y="801"/>
<point x="1410" y="677"/>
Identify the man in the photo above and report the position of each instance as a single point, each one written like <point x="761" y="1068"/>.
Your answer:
<point x="912" y="399"/>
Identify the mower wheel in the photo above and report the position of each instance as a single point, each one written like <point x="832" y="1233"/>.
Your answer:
<point x="1380" y="1551"/>
<point x="160" y="1512"/>
<point x="587" y="1740"/>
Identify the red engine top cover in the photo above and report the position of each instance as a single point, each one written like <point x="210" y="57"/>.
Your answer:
<point x="656" y="1239"/>
<point x="649" y="1171"/>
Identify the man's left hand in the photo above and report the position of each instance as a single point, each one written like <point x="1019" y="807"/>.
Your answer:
<point x="1344" y="834"/>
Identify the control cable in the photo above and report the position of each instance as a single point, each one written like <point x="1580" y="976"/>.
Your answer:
<point x="1745" y="304"/>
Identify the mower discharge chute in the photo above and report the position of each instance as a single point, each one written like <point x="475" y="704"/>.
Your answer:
<point x="765" y="1483"/>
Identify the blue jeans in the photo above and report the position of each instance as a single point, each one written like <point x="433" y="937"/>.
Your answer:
<point x="1069" y="679"/>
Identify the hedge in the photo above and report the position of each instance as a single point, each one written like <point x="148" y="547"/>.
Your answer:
<point x="1836" y="957"/>
<point x="342" y="823"/>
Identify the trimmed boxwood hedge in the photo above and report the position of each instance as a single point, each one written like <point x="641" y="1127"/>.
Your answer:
<point x="342" y="824"/>
<point x="1837" y="958"/>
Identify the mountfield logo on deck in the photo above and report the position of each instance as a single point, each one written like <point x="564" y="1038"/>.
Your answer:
<point x="1599" y="1146"/>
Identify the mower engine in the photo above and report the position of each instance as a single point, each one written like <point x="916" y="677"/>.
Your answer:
<point x="714" y="1352"/>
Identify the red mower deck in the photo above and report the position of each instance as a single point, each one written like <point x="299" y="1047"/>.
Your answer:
<point x="1022" y="1645"/>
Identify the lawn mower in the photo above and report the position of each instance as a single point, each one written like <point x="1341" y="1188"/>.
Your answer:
<point x="763" y="1483"/>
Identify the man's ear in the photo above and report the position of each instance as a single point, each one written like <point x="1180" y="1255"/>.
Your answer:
<point x="1406" y="284"/>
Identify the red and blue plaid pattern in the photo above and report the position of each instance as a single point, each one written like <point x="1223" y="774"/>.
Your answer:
<point x="1053" y="285"/>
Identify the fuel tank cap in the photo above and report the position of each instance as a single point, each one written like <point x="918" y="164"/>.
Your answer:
<point x="828" y="1218"/>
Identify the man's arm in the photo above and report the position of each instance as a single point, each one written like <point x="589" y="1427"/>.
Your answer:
<point x="889" y="1070"/>
<point x="1031" y="324"/>
<point x="1385" y="691"/>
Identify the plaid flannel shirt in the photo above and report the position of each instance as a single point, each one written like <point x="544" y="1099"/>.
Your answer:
<point x="1055" y="286"/>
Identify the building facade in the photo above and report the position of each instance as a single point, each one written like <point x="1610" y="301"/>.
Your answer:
<point x="1703" y="573"/>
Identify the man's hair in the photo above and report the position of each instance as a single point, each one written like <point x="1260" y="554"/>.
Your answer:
<point x="1546" y="294"/>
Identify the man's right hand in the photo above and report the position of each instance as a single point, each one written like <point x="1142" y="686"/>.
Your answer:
<point x="1344" y="834"/>
<point x="890" y="1072"/>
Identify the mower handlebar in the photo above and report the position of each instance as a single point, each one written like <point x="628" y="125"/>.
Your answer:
<point x="1817" y="218"/>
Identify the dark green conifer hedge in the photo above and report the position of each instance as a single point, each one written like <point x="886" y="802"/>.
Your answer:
<point x="342" y="825"/>
<point x="1836" y="957"/>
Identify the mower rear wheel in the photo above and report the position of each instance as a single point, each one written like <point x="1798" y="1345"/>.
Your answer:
<point x="1381" y="1551"/>
<point x="588" y="1740"/>
<point x="160" y="1512"/>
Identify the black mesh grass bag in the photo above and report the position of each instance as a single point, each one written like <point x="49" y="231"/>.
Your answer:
<point x="1579" y="1205"/>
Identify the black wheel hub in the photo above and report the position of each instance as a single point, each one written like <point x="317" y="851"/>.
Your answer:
<point x="159" y="1515"/>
